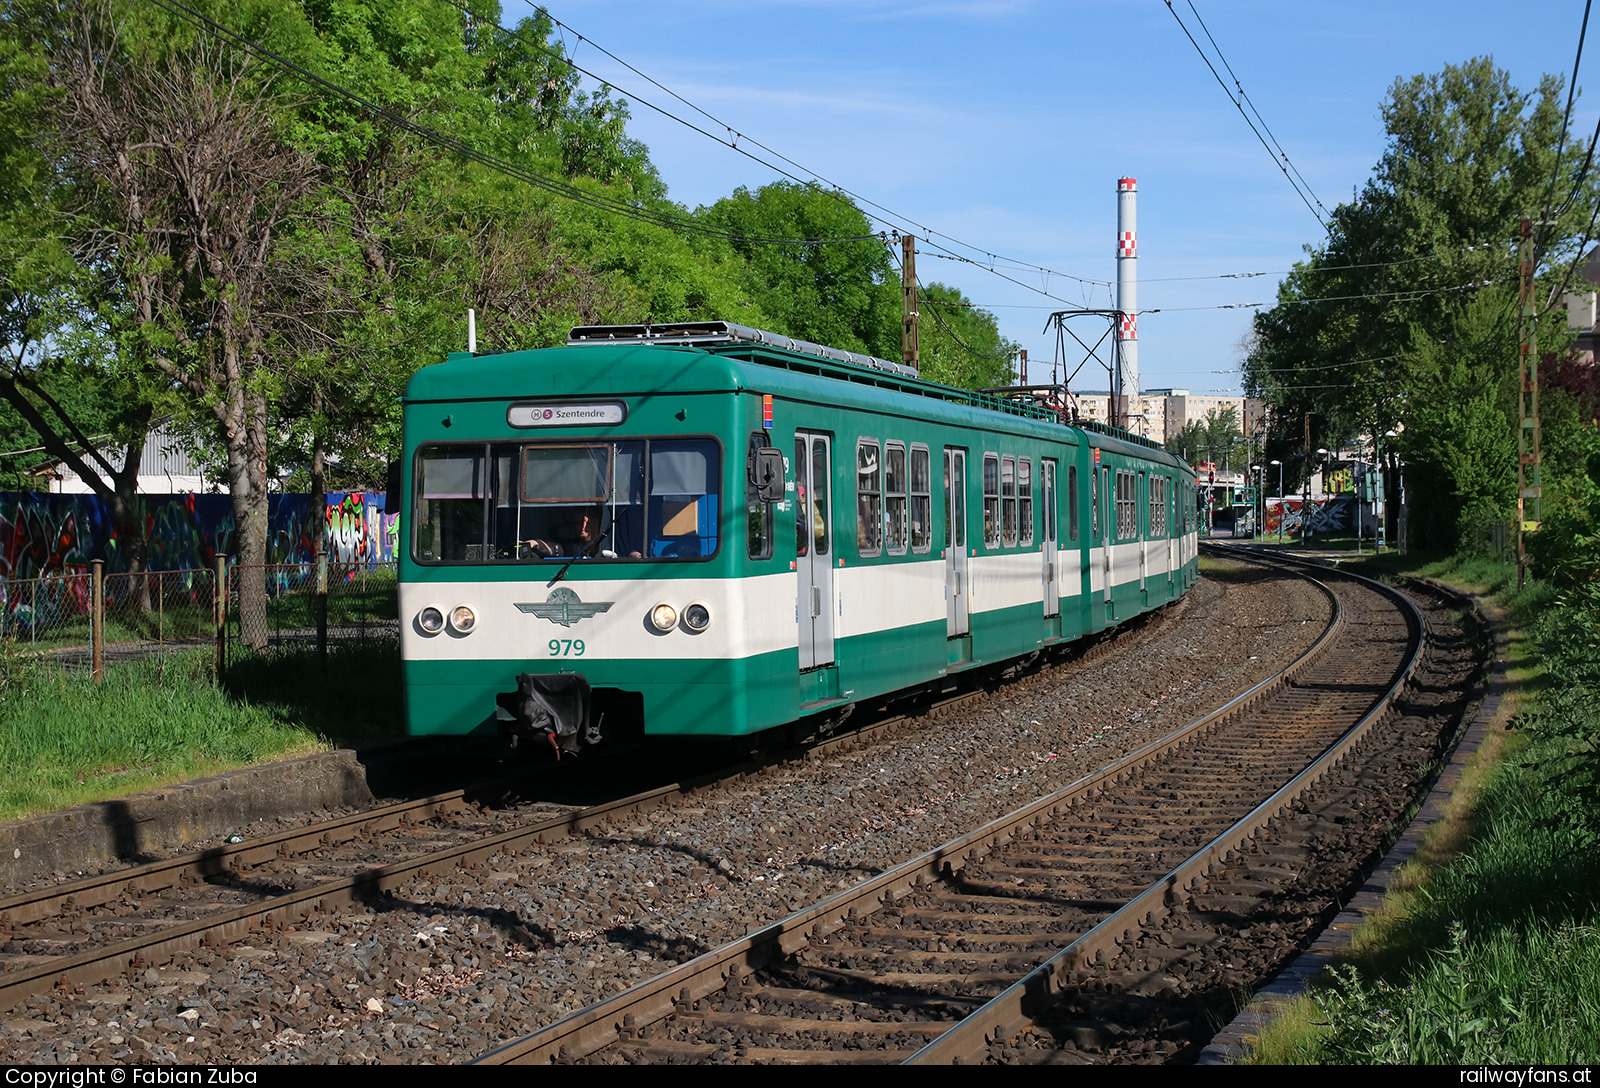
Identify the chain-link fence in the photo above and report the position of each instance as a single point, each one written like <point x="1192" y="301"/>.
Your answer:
<point x="310" y="607"/>
<point x="91" y="620"/>
<point x="86" y="620"/>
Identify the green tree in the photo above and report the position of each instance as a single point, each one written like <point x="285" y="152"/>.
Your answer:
<point x="842" y="294"/>
<point x="959" y="343"/>
<point x="1421" y="259"/>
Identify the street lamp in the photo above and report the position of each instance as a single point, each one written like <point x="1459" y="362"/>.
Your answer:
<point x="1280" y="500"/>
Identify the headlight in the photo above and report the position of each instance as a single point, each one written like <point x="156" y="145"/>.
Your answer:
<point x="463" y="619"/>
<point x="697" y="617"/>
<point x="663" y="617"/>
<point x="431" y="620"/>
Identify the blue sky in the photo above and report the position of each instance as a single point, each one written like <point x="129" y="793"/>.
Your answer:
<point x="1005" y="124"/>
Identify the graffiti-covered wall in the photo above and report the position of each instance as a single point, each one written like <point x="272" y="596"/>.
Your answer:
<point x="1336" y="514"/>
<point x="42" y="533"/>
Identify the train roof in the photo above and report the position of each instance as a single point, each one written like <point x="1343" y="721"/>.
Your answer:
<point x="712" y="357"/>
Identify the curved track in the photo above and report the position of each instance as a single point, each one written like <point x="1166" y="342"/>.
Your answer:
<point x="939" y="960"/>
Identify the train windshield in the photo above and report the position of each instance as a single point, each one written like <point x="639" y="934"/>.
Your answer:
<point x="637" y="499"/>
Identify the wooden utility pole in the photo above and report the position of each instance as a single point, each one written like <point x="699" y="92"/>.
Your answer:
<point x="909" y="352"/>
<point x="1305" y="496"/>
<point x="1528" y="431"/>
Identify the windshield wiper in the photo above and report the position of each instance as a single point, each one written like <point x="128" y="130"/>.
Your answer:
<point x="588" y="553"/>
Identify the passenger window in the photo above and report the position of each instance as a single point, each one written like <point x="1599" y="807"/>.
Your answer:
<point x="1072" y="502"/>
<point x="1025" y="502"/>
<point x="802" y="501"/>
<point x="869" y="498"/>
<point x="1008" y="501"/>
<point x="991" y="500"/>
<point x="819" y="494"/>
<point x="894" y="495"/>
<point x="921" y="499"/>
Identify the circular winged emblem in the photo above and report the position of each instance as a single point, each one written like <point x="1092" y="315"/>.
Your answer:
<point x="564" y="607"/>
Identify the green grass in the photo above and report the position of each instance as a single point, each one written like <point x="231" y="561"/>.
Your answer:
<point x="65" y="740"/>
<point x="1488" y="951"/>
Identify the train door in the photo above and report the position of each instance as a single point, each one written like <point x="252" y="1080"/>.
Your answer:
<point x="955" y="542"/>
<point x="1052" y="585"/>
<point x="1141" y="516"/>
<point x="1175" y="525"/>
<point x="814" y="602"/>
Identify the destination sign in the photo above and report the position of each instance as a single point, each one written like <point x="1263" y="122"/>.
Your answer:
<point x="566" y="415"/>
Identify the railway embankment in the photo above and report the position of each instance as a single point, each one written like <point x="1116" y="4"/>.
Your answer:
<point x="442" y="967"/>
<point x="1477" y="940"/>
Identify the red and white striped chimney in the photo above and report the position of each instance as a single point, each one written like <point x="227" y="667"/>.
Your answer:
<point x="1127" y="302"/>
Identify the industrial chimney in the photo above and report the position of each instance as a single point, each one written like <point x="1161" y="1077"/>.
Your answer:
<point x="1127" y="390"/>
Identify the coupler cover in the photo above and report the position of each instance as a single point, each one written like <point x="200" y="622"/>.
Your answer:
<point x="556" y="706"/>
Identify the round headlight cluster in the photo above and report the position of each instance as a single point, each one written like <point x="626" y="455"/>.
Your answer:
<point x="695" y="618"/>
<point x="463" y="620"/>
<point x="663" y="617"/>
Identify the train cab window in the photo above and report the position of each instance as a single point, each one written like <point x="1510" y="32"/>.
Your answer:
<point x="600" y="501"/>
<point x="894" y="497"/>
<point x="869" y="497"/>
<point x="1008" y="501"/>
<point x="921" y="499"/>
<point x="448" y="512"/>
<point x="1072" y="502"/>
<point x="759" y="515"/>
<point x="991" y="500"/>
<point x="1025" y="502"/>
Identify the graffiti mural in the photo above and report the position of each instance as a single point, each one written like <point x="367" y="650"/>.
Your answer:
<point x="63" y="534"/>
<point x="1336" y="514"/>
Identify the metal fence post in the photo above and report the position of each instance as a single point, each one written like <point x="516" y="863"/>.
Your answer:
<point x="97" y="619"/>
<point x="219" y="616"/>
<point x="321" y="605"/>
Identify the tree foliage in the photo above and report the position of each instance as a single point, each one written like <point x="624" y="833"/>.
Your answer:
<point x="961" y="344"/>
<point x="1404" y="318"/>
<point x="186" y="229"/>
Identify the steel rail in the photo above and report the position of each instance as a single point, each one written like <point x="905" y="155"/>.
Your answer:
<point x="600" y="1025"/>
<point x="1013" y="1011"/>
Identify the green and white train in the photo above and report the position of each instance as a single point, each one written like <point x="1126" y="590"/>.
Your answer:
<point x="704" y="530"/>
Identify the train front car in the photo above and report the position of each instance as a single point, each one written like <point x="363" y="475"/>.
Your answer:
<point x="707" y="530"/>
<point x="566" y="573"/>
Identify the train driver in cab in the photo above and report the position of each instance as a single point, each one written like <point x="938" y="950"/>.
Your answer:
<point x="576" y="533"/>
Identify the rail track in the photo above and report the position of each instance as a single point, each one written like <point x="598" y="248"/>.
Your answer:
<point x="125" y="921"/>
<point x="956" y="955"/>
